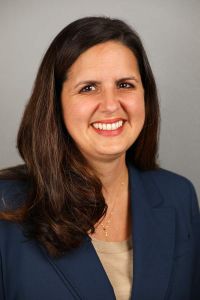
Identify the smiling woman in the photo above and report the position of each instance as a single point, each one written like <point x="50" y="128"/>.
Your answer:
<point x="90" y="214"/>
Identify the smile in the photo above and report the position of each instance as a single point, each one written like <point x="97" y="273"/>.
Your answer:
<point x="108" y="126"/>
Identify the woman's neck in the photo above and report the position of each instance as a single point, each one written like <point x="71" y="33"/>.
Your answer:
<point x="112" y="174"/>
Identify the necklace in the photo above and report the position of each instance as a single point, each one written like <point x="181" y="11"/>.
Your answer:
<point x="106" y="225"/>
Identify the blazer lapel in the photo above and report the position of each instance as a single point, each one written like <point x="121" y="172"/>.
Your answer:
<point x="82" y="270"/>
<point x="153" y="239"/>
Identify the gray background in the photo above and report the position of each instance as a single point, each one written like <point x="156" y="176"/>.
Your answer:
<point x="170" y="31"/>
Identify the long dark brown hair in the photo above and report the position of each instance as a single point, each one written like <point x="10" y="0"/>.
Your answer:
<point x="63" y="198"/>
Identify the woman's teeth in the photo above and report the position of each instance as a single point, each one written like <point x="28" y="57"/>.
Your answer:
<point x="104" y="126"/>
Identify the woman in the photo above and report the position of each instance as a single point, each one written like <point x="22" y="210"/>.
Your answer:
<point x="90" y="215"/>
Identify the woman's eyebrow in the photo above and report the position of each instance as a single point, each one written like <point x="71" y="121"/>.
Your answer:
<point x="98" y="82"/>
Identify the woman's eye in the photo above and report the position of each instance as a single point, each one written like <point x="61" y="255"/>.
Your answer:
<point x="126" y="85"/>
<point x="87" y="88"/>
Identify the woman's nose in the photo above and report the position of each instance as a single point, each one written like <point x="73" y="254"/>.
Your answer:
<point x="109" y="101"/>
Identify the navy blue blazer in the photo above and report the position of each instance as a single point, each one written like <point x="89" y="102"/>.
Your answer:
<point x="166" y="248"/>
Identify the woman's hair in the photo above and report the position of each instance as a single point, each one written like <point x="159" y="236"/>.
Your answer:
<point x="64" y="197"/>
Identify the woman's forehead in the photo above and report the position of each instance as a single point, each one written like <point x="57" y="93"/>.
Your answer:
<point x="103" y="59"/>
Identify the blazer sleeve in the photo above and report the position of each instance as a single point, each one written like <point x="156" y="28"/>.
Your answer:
<point x="196" y="236"/>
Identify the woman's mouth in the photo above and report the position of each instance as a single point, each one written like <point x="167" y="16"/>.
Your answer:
<point x="108" y="127"/>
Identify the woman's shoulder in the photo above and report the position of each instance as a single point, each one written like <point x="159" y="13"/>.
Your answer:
<point x="168" y="179"/>
<point x="176" y="189"/>
<point x="12" y="193"/>
<point x="12" y="196"/>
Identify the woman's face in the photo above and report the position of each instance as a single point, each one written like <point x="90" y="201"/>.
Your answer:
<point x="103" y="101"/>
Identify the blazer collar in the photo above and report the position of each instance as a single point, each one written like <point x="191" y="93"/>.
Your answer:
<point x="153" y="232"/>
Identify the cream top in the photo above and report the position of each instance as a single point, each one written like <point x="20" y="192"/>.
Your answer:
<point x="117" y="260"/>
